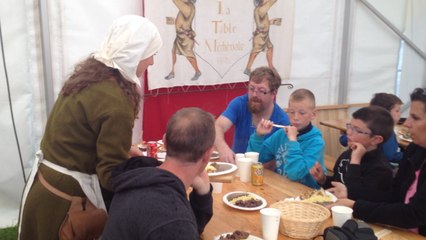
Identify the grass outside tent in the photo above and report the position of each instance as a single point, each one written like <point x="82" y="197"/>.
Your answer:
<point x="10" y="233"/>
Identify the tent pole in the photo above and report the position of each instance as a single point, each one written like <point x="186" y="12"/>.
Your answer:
<point x="346" y="52"/>
<point x="46" y="55"/>
<point x="394" y="29"/>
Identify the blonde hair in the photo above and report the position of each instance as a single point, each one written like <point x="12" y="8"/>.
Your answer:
<point x="302" y="94"/>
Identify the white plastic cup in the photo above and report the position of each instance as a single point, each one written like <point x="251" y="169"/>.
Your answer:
<point x="217" y="187"/>
<point x="270" y="223"/>
<point x="238" y="156"/>
<point x="254" y="156"/>
<point x="244" y="167"/>
<point x="340" y="215"/>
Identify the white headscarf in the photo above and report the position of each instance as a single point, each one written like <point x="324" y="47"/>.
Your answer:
<point x="130" y="39"/>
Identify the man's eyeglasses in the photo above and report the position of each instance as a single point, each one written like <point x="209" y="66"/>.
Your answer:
<point x="260" y="91"/>
<point x="356" y="130"/>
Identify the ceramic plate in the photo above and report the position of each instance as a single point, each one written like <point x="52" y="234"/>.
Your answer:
<point x="223" y="168"/>
<point x="250" y="237"/>
<point x="214" y="156"/>
<point x="229" y="196"/>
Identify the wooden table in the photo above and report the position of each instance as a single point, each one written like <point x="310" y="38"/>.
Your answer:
<point x="275" y="188"/>
<point x="340" y="125"/>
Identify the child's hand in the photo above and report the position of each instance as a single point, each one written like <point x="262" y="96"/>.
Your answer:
<point x="318" y="173"/>
<point x="292" y="133"/>
<point x="264" y="127"/>
<point x="358" y="150"/>
<point x="339" y="190"/>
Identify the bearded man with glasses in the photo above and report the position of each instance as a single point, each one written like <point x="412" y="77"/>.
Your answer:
<point x="245" y="112"/>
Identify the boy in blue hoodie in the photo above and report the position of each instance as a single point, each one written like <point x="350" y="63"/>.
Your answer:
<point x="292" y="150"/>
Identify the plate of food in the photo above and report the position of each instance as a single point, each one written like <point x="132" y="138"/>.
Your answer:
<point x="246" y="201"/>
<point x="220" y="168"/>
<point x="319" y="196"/>
<point x="236" y="235"/>
<point x="406" y="136"/>
<point x="215" y="155"/>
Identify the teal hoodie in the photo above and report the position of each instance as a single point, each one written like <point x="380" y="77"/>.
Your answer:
<point x="293" y="158"/>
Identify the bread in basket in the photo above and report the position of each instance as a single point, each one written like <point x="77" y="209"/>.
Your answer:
<point x="302" y="220"/>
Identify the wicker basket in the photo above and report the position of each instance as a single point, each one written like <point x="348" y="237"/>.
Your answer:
<point x="301" y="219"/>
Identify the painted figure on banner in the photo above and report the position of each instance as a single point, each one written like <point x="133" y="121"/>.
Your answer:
<point x="185" y="36"/>
<point x="261" y="40"/>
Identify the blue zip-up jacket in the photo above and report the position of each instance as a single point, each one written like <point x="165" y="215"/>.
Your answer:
<point x="293" y="159"/>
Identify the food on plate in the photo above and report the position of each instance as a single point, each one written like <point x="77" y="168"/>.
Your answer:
<point x="161" y="148"/>
<point x="317" y="196"/>
<point x="405" y="134"/>
<point x="246" y="200"/>
<point x="236" y="235"/>
<point x="212" y="167"/>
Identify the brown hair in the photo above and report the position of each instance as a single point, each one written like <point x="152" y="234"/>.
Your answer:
<point x="419" y="94"/>
<point x="270" y="74"/>
<point x="385" y="100"/>
<point x="91" y="71"/>
<point x="190" y="133"/>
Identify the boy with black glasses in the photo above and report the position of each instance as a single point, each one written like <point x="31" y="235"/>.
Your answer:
<point x="363" y="167"/>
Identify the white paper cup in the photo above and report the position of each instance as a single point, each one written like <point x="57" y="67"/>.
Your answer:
<point x="161" y="155"/>
<point x="340" y="215"/>
<point x="244" y="167"/>
<point x="270" y="223"/>
<point x="254" y="156"/>
<point x="217" y="187"/>
<point x="238" y="156"/>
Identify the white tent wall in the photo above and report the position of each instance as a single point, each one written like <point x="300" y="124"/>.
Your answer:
<point x="77" y="27"/>
<point x="316" y="49"/>
<point x="414" y="66"/>
<point x="19" y="106"/>
<point x="375" y="49"/>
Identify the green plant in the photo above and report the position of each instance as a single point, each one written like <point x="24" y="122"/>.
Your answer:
<point x="10" y="233"/>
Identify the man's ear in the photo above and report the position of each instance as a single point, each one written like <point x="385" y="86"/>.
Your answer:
<point x="164" y="141"/>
